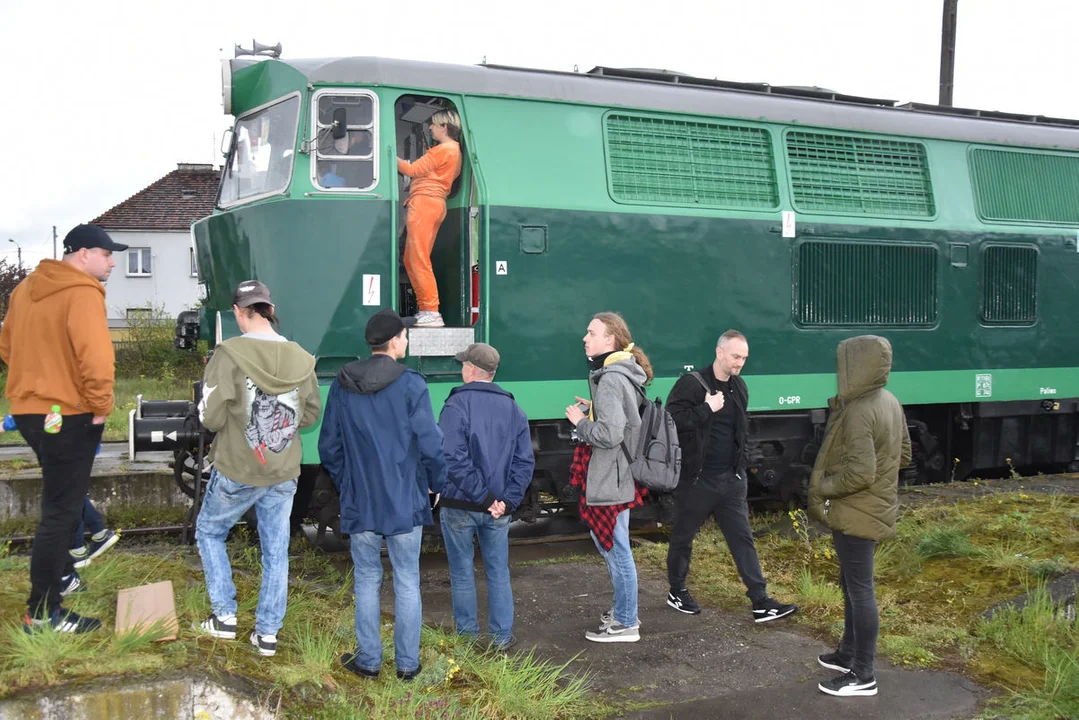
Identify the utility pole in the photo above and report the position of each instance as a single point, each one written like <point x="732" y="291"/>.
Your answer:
<point x="947" y="52"/>
<point x="54" y="242"/>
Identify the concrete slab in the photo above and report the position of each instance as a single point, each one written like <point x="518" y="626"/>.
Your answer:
<point x="717" y="664"/>
<point x="146" y="481"/>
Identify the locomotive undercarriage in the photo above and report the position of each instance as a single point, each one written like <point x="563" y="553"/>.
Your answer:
<point x="948" y="442"/>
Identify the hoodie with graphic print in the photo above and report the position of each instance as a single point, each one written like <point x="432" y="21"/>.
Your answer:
<point x="256" y="395"/>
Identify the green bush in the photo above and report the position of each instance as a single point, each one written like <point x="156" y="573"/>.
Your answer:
<point x="149" y="352"/>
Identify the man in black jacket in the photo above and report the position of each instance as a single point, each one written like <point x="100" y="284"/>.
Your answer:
<point x="709" y="409"/>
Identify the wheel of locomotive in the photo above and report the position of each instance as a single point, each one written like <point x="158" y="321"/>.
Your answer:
<point x="795" y="486"/>
<point x="183" y="471"/>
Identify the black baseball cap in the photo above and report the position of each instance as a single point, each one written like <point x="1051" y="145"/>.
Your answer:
<point x="385" y="325"/>
<point x="250" y="292"/>
<point x="90" y="236"/>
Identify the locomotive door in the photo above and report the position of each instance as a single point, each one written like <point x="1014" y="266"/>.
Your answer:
<point x="457" y="248"/>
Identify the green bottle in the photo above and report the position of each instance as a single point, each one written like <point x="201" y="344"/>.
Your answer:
<point x="54" y="420"/>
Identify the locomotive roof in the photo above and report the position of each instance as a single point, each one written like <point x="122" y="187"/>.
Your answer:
<point x="675" y="92"/>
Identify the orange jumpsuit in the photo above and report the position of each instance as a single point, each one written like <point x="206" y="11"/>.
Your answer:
<point x="432" y="175"/>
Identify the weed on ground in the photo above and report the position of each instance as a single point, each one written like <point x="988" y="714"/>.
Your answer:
<point x="952" y="560"/>
<point x="459" y="679"/>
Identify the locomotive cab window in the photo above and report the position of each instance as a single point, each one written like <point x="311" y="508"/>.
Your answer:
<point x="345" y="141"/>
<point x="260" y="159"/>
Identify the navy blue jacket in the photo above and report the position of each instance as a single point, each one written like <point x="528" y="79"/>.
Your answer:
<point x="488" y="448"/>
<point x="381" y="446"/>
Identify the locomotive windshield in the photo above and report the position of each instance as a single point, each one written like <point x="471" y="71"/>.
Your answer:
<point x="260" y="160"/>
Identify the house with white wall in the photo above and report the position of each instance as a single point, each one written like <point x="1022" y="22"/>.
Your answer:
<point x="158" y="269"/>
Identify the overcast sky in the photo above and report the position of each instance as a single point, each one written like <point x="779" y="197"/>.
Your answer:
<point x="103" y="98"/>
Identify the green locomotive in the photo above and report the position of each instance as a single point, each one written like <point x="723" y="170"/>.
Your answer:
<point x="798" y="216"/>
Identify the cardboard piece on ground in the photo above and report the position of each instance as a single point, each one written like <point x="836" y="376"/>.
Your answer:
<point x="141" y="607"/>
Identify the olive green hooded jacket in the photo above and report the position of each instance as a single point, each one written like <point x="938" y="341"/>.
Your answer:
<point x="855" y="482"/>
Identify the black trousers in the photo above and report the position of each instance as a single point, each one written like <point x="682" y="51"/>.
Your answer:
<point x="66" y="459"/>
<point x="861" y="621"/>
<point x="724" y="498"/>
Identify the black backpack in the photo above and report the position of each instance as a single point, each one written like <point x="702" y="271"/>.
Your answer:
<point x="657" y="462"/>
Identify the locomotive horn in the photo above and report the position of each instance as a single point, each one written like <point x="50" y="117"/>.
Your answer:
<point x="273" y="51"/>
<point x="241" y="51"/>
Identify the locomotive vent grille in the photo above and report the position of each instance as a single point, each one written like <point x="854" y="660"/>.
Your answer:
<point x="1012" y="186"/>
<point x="663" y="160"/>
<point x="865" y="284"/>
<point x="1009" y="284"/>
<point x="857" y="175"/>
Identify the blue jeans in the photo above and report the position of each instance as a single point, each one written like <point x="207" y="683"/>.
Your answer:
<point x="91" y="520"/>
<point x="458" y="529"/>
<point x="222" y="506"/>
<point x="404" y="552"/>
<point x="623" y="571"/>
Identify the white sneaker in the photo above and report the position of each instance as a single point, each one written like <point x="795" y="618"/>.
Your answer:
<point x="616" y="632"/>
<point x="429" y="319"/>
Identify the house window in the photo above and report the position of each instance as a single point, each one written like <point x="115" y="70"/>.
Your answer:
<point x="139" y="261"/>
<point x="194" y="267"/>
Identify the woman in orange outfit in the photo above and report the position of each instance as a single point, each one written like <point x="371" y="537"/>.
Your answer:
<point x="432" y="175"/>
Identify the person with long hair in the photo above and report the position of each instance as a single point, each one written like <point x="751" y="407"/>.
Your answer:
<point x="258" y="392"/>
<point x="432" y="177"/>
<point x="618" y="371"/>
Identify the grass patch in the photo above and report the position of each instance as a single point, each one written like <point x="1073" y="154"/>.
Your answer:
<point x="943" y="542"/>
<point x="950" y="562"/>
<point x="459" y="680"/>
<point x="1039" y="637"/>
<point x="126" y="390"/>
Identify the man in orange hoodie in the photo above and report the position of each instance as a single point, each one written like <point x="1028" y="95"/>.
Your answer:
<point x="55" y="341"/>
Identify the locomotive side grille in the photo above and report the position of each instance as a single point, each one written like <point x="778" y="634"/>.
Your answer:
<point x="856" y="175"/>
<point x="661" y="160"/>
<point x="1015" y="186"/>
<point x="840" y="284"/>
<point x="1009" y="284"/>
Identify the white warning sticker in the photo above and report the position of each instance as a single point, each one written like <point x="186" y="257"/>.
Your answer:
<point x="788" y="223"/>
<point x="501" y="267"/>
<point x="372" y="289"/>
<point x="156" y="436"/>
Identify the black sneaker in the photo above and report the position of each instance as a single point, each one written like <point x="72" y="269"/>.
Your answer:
<point x="682" y="601"/>
<point x="219" y="627"/>
<point x="849" y="685"/>
<point x="266" y="644"/>
<point x="101" y="542"/>
<point x="349" y="661"/>
<point x="70" y="584"/>
<point x="410" y="675"/>
<point x="768" y="609"/>
<point x="834" y="661"/>
<point x="81" y="556"/>
<point x="61" y="620"/>
<point x="503" y="647"/>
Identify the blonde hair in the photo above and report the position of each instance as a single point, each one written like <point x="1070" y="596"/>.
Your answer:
<point x="616" y="326"/>
<point x="451" y="120"/>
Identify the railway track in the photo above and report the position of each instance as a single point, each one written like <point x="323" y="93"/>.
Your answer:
<point x="20" y="541"/>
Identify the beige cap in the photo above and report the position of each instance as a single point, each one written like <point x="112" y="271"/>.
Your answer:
<point x="481" y="355"/>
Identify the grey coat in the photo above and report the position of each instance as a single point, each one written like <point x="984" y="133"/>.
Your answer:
<point x="615" y="403"/>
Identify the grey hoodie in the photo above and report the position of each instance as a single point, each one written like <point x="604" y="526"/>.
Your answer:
<point x="615" y="418"/>
<point x="256" y="396"/>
